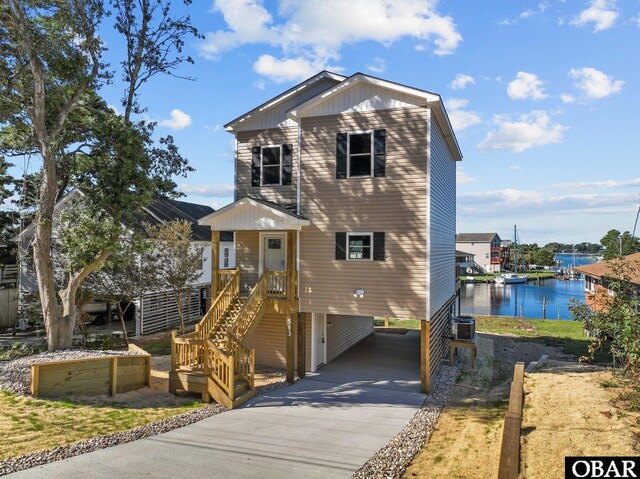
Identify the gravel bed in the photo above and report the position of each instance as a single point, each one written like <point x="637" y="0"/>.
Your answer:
<point x="15" y="375"/>
<point x="391" y="461"/>
<point x="27" y="461"/>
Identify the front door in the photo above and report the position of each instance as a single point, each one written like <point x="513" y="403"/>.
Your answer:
<point x="319" y="342"/>
<point x="273" y="252"/>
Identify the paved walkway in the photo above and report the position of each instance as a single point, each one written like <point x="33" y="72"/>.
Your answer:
<point x="325" y="426"/>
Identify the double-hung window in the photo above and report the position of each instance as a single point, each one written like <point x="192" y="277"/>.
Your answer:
<point x="360" y="154"/>
<point x="271" y="165"/>
<point x="359" y="246"/>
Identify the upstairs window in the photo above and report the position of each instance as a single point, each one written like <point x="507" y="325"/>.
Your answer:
<point x="271" y="165"/>
<point x="361" y="154"/>
<point x="360" y="161"/>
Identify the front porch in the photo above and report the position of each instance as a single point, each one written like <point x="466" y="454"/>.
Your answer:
<point x="215" y="360"/>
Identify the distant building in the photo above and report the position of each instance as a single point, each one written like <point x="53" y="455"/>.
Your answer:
<point x="599" y="276"/>
<point x="485" y="247"/>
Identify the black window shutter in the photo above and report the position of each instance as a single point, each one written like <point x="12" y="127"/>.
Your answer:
<point x="341" y="155"/>
<point x="378" y="246"/>
<point x="286" y="164"/>
<point x="379" y="152"/>
<point x="255" y="166"/>
<point x="341" y="245"/>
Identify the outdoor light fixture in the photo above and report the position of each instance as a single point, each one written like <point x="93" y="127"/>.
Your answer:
<point x="358" y="293"/>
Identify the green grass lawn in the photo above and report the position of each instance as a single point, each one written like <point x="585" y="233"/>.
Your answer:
<point x="29" y="425"/>
<point x="155" y="347"/>
<point x="567" y="335"/>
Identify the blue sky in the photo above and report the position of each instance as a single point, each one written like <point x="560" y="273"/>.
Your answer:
<point x="543" y="96"/>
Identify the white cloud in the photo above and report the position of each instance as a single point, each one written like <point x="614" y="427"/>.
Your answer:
<point x="260" y="84"/>
<point x="179" y="120"/>
<point x="461" y="119"/>
<point x="594" y="83"/>
<point x="461" y="81"/>
<point x="515" y="168"/>
<point x="566" y="98"/>
<point x="602" y="13"/>
<point x="534" y="202"/>
<point x="216" y="191"/>
<point x="633" y="183"/>
<point x="526" y="85"/>
<point x="528" y="131"/>
<point x="377" y="65"/>
<point x="542" y="7"/>
<point x="462" y="177"/>
<point x="287" y="69"/>
<point x="314" y="31"/>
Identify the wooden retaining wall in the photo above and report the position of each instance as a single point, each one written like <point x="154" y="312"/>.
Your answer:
<point x="92" y="376"/>
<point x="8" y="307"/>
<point x="510" y="451"/>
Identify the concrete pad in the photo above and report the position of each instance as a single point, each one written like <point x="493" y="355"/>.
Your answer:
<point x="325" y="426"/>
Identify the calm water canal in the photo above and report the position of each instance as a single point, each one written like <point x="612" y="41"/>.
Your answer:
<point x="506" y="300"/>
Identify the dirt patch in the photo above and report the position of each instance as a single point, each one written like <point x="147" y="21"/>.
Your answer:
<point x="568" y="412"/>
<point x="466" y="441"/>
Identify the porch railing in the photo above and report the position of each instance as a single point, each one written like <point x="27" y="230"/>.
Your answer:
<point x="277" y="283"/>
<point x="225" y="276"/>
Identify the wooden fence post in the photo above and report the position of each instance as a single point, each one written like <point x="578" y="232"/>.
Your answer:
<point x="510" y="450"/>
<point x="114" y="375"/>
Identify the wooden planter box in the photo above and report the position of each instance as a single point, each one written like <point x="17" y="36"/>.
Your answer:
<point x="91" y="376"/>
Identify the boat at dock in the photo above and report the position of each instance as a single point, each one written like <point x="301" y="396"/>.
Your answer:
<point x="511" y="278"/>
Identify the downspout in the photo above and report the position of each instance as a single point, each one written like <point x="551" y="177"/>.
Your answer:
<point x="428" y="216"/>
<point x="235" y="167"/>
<point x="298" y="206"/>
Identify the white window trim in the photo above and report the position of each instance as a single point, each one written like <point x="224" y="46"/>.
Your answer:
<point x="349" y="153"/>
<point x="261" y="175"/>
<point x="264" y="234"/>
<point x="370" y="258"/>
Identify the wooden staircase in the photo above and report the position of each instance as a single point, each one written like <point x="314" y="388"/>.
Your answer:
<point x="213" y="360"/>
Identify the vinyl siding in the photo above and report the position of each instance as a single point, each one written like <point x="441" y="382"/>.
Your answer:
<point x="275" y="136"/>
<point x="276" y="116"/>
<point x="394" y="204"/>
<point x="345" y="331"/>
<point x="439" y="337"/>
<point x="270" y="339"/>
<point x="247" y="258"/>
<point x="442" y="219"/>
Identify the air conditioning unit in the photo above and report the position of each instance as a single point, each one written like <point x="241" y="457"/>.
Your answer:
<point x="463" y="328"/>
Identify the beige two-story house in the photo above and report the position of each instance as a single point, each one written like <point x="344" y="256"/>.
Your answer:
<point x="344" y="210"/>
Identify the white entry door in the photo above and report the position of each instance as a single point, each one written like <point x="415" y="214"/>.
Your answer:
<point x="318" y="340"/>
<point x="274" y="252"/>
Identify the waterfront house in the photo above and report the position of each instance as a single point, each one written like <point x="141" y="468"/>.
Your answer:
<point x="344" y="210"/>
<point x="486" y="248"/>
<point x="599" y="276"/>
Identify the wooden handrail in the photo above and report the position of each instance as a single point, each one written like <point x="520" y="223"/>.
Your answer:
<point x="225" y="276"/>
<point x="220" y="368"/>
<point x="247" y="313"/>
<point x="218" y="307"/>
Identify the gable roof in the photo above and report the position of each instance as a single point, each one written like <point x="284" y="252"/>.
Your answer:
<point x="475" y="237"/>
<point x="254" y="215"/>
<point x="291" y="92"/>
<point x="605" y="269"/>
<point x="421" y="97"/>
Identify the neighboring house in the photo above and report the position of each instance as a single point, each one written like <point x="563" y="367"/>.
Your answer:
<point x="485" y="247"/>
<point x="344" y="210"/>
<point x="466" y="265"/>
<point x="156" y="311"/>
<point x="599" y="276"/>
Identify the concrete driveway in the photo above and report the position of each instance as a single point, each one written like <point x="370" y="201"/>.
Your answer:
<point x="327" y="425"/>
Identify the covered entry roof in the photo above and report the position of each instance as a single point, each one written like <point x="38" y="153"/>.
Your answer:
<point x="250" y="214"/>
